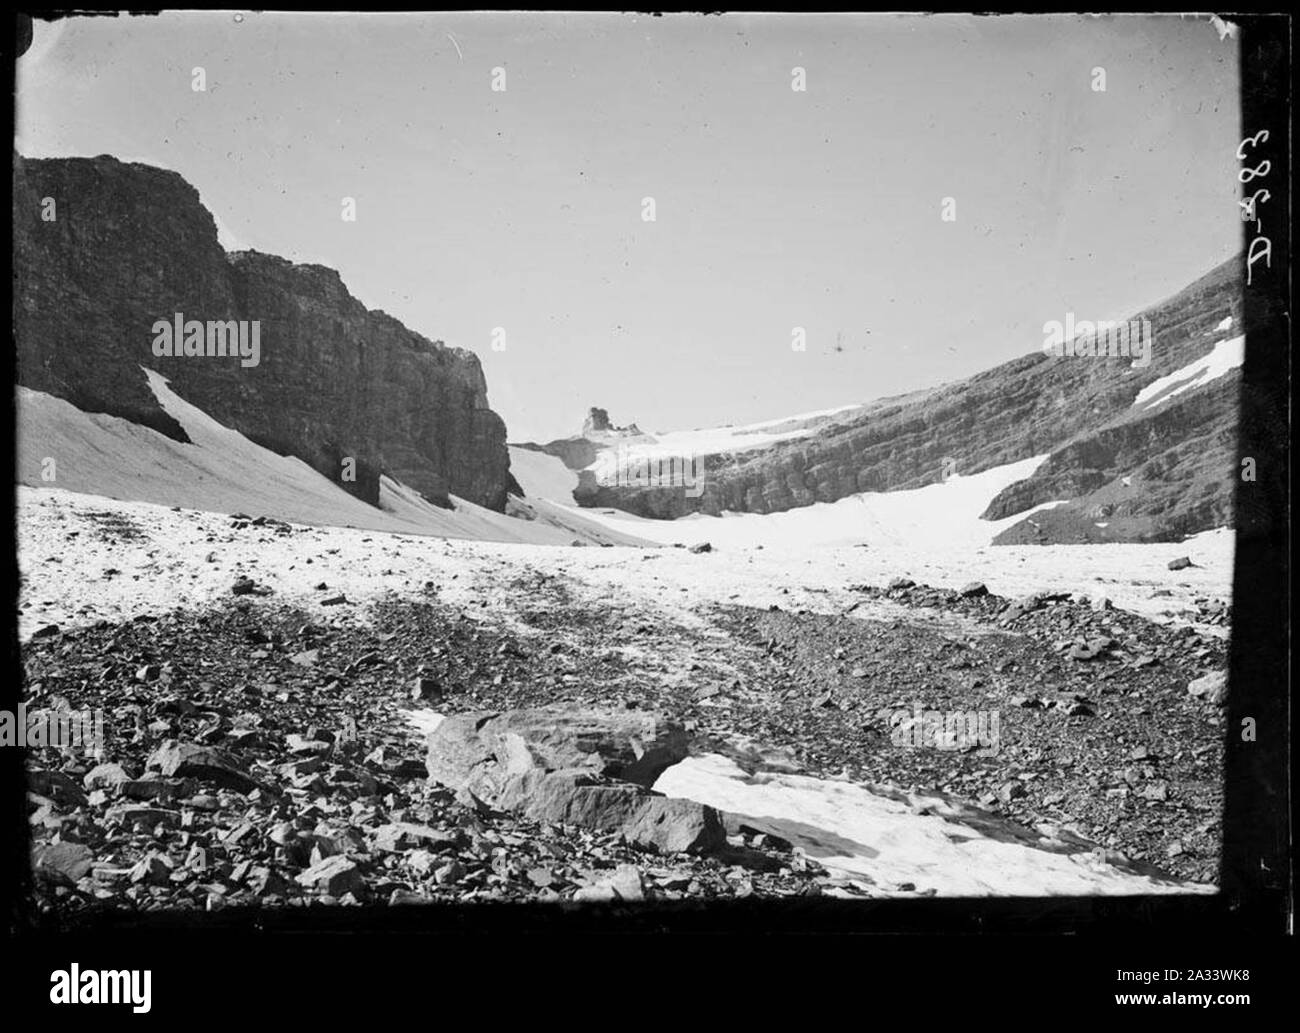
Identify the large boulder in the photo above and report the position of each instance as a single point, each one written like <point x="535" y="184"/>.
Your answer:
<point x="630" y="745"/>
<point x="480" y="751"/>
<point x="575" y="766"/>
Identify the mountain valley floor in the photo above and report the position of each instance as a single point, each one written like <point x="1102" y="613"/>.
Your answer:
<point x="313" y="657"/>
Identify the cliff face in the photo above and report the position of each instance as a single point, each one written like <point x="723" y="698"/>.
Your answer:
<point x="1178" y="457"/>
<point x="1167" y="474"/>
<point x="130" y="245"/>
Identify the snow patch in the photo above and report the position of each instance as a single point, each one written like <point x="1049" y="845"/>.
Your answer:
<point x="883" y="843"/>
<point x="1226" y="355"/>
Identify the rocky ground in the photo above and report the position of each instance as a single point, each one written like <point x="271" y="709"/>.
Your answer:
<point x="267" y="688"/>
<point x="260" y="753"/>
<point x="1097" y="728"/>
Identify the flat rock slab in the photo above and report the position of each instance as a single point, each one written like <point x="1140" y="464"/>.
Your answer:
<point x="133" y="814"/>
<point x="56" y="786"/>
<point x="333" y="876"/>
<point x="399" y="836"/>
<point x="186" y="760"/>
<point x="65" y="862"/>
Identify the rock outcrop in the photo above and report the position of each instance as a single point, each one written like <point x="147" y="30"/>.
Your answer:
<point x="597" y="425"/>
<point x="597" y="420"/>
<point x="104" y="249"/>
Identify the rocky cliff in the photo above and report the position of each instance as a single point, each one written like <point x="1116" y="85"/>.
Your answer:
<point x="104" y="249"/>
<point x="1128" y="472"/>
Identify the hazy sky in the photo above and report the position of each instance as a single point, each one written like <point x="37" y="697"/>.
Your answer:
<point x="522" y="209"/>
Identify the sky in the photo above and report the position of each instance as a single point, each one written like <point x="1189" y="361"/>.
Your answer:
<point x="774" y="208"/>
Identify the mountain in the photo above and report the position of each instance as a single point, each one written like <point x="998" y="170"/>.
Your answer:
<point x="103" y="250"/>
<point x="1137" y="449"/>
<point x="106" y="253"/>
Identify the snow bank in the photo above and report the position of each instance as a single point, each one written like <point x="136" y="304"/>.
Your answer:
<point x="941" y="515"/>
<point x="884" y="844"/>
<point x="221" y="471"/>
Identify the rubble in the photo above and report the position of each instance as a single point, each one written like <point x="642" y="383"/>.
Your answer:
<point x="313" y="785"/>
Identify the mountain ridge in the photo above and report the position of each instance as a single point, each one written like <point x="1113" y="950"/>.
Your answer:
<point x="1122" y="471"/>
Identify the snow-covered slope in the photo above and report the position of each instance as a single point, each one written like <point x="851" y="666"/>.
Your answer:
<point x="808" y="557"/>
<point x="686" y="444"/>
<point x="61" y="545"/>
<point x="542" y="476"/>
<point x="221" y="471"/>
<point x="939" y="515"/>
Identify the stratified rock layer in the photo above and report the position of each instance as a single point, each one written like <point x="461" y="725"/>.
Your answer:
<point x="129" y="244"/>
